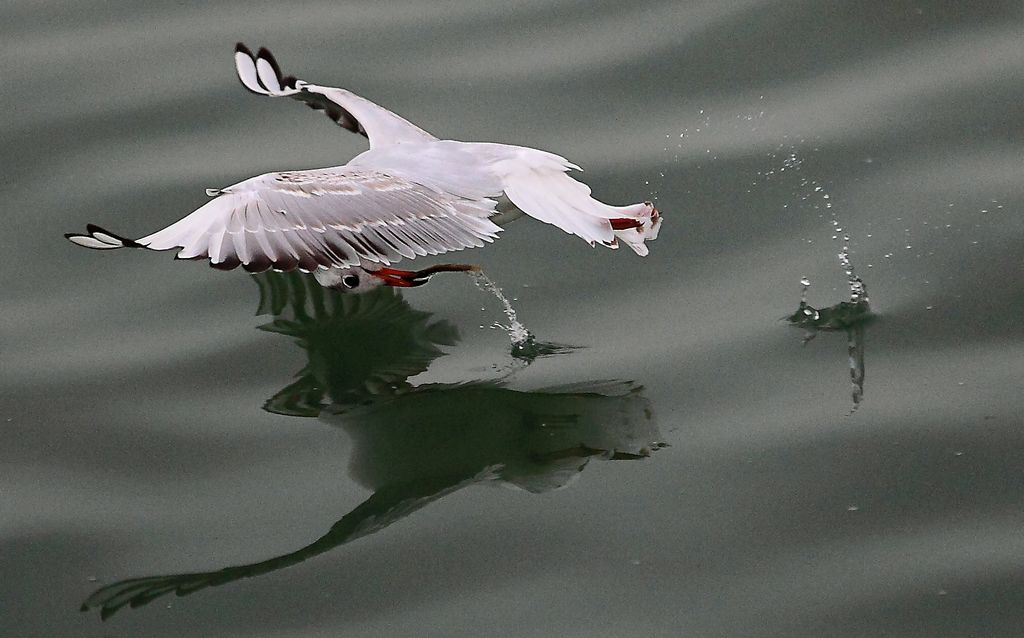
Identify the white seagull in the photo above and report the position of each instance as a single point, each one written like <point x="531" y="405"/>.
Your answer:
<point x="410" y="195"/>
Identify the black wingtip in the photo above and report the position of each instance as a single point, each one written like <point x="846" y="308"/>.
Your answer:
<point x="92" y="229"/>
<point x="241" y="48"/>
<point x="265" y="54"/>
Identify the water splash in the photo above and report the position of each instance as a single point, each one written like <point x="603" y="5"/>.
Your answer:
<point x="808" y="312"/>
<point x="517" y="332"/>
<point x="524" y="345"/>
<point x="858" y="291"/>
<point x="850" y="316"/>
<point x="819" y="199"/>
<point x="847" y="316"/>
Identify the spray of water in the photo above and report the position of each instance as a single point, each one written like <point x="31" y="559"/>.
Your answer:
<point x="525" y="346"/>
<point x="517" y="332"/>
<point x="821" y="200"/>
<point x="849" y="316"/>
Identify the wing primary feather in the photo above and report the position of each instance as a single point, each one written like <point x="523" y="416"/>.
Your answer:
<point x="268" y="57"/>
<point x="264" y="244"/>
<point x="389" y="250"/>
<point x="241" y="248"/>
<point x="316" y="244"/>
<point x="267" y="75"/>
<point x="245" y="66"/>
<point x="87" y="241"/>
<point x="414" y="242"/>
<point x="458" y="232"/>
<point x="229" y="263"/>
<point x="397" y="244"/>
<point x="101" y="239"/>
<point x="363" y="247"/>
<point x="340" y="248"/>
<point x="428" y="228"/>
<point x="215" y="247"/>
<point x="258" y="263"/>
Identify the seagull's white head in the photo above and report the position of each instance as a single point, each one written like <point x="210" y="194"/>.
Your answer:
<point x="370" y="276"/>
<point x="348" y="279"/>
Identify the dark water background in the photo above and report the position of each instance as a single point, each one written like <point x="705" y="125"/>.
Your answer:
<point x="133" y="388"/>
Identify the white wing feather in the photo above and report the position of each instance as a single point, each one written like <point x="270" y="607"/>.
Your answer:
<point x="261" y="74"/>
<point x="336" y="217"/>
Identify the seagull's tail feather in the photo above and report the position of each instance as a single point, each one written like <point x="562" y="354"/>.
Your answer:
<point x="537" y="183"/>
<point x="101" y="239"/>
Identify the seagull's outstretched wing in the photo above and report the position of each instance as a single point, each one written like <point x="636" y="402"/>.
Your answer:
<point x="386" y="506"/>
<point x="309" y="220"/>
<point x="260" y="74"/>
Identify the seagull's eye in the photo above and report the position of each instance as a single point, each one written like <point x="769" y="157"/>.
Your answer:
<point x="350" y="281"/>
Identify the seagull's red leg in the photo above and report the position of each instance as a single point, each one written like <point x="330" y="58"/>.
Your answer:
<point x="625" y="223"/>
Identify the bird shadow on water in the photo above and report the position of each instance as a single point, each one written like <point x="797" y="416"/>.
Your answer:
<point x="414" y="444"/>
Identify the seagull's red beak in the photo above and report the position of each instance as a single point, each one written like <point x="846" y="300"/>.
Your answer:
<point x="412" y="278"/>
<point x="400" y="278"/>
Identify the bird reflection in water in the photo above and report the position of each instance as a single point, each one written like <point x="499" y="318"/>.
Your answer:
<point x="413" y="445"/>
<point x="849" y="316"/>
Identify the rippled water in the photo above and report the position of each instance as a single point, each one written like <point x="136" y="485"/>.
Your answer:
<point x="329" y="466"/>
